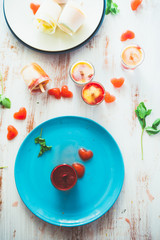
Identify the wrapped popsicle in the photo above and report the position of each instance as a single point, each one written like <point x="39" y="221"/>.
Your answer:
<point x="61" y="1"/>
<point x="46" y="17"/>
<point x="71" y="19"/>
<point x="35" y="77"/>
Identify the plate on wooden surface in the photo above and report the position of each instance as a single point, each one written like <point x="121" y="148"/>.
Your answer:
<point x="93" y="195"/>
<point x="19" y="18"/>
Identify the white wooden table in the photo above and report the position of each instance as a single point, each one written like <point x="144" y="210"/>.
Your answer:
<point x="136" y="213"/>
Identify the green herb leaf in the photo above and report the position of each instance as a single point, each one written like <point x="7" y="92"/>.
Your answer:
<point x="111" y="7"/>
<point x="43" y="146"/>
<point x="6" y="102"/>
<point x="108" y="7"/>
<point x="156" y="123"/>
<point x="114" y="8"/>
<point x="36" y="140"/>
<point x="142" y="113"/>
<point x="141" y="121"/>
<point x="152" y="131"/>
<point x="0" y="98"/>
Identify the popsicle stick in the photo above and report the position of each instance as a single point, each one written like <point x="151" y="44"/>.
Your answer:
<point x="41" y="87"/>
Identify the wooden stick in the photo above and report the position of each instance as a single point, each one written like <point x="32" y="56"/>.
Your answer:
<point x="41" y="87"/>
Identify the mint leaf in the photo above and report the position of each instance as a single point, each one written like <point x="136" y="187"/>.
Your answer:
<point x="36" y="140"/>
<point x="111" y="7"/>
<point x="6" y="102"/>
<point x="141" y="121"/>
<point x="148" y="112"/>
<point x="114" y="8"/>
<point x="142" y="113"/>
<point x="152" y="131"/>
<point x="108" y="7"/>
<point x="156" y="123"/>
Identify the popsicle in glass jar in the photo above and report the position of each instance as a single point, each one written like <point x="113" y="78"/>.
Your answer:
<point x="93" y="93"/>
<point x="131" y="57"/>
<point x="81" y="73"/>
<point x="64" y="177"/>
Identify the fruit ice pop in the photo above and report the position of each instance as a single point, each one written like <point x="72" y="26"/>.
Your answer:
<point x="46" y="17"/>
<point x="61" y="1"/>
<point x="72" y="18"/>
<point x="35" y="77"/>
<point x="132" y="56"/>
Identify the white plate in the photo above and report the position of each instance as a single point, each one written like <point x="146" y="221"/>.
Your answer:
<point x="19" y="18"/>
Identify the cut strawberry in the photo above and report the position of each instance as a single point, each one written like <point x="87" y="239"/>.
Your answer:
<point x="127" y="35"/>
<point x="21" y="115"/>
<point x="109" y="98"/>
<point x="56" y="92"/>
<point x="117" y="82"/>
<point x="135" y="4"/>
<point x="65" y="92"/>
<point x="12" y="132"/>
<point x="85" y="154"/>
<point x="34" y="7"/>
<point x="80" y="169"/>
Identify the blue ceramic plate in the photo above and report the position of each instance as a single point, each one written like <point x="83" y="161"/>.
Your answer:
<point x="93" y="195"/>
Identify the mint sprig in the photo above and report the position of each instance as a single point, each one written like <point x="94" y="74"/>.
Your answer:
<point x="142" y="113"/>
<point x="43" y="147"/>
<point x="4" y="101"/>
<point x="111" y="8"/>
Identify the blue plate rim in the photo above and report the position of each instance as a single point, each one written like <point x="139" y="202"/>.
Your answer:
<point x="62" y="51"/>
<point x="76" y="224"/>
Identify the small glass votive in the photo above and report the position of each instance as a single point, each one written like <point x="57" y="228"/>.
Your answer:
<point x="132" y="56"/>
<point x="93" y="93"/>
<point x="64" y="177"/>
<point x="81" y="73"/>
